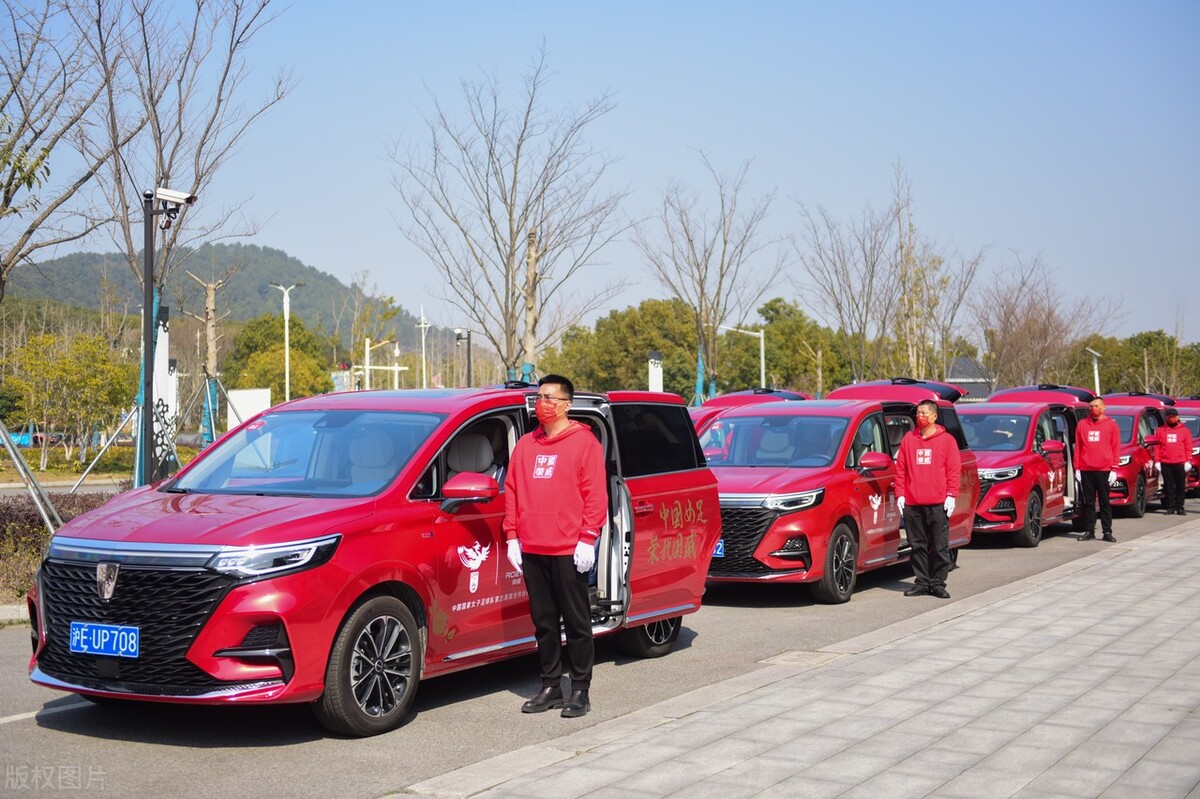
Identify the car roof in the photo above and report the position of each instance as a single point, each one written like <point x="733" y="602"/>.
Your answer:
<point x="450" y="400"/>
<point x="752" y="395"/>
<point x="1145" y="398"/>
<point x="1024" y="408"/>
<point x="1044" y="392"/>
<point x="905" y="389"/>
<point x="848" y="408"/>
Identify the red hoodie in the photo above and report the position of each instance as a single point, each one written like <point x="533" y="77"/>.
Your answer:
<point x="1097" y="445"/>
<point x="927" y="469"/>
<point x="1174" y="443"/>
<point x="556" y="493"/>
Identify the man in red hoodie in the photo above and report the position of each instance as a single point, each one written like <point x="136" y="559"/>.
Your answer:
<point x="555" y="506"/>
<point x="1174" y="460"/>
<point x="927" y="476"/>
<point x="1097" y="452"/>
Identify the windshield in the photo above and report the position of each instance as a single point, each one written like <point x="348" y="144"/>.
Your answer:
<point x="995" y="432"/>
<point x="312" y="453"/>
<point x="1193" y="425"/>
<point x="801" y="441"/>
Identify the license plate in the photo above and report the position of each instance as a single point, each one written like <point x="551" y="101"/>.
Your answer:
<point x="116" y="640"/>
<point x="719" y="549"/>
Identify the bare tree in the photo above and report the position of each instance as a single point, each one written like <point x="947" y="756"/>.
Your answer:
<point x="47" y="153"/>
<point x="508" y="207"/>
<point x="1027" y="322"/>
<point x="182" y="69"/>
<point x="708" y="259"/>
<point x="852" y="286"/>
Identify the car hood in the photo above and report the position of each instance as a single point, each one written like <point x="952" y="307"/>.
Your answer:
<point x="149" y="516"/>
<point x="767" y="480"/>
<point x="999" y="460"/>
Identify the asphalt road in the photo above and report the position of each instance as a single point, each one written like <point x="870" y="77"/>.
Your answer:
<point x="76" y="748"/>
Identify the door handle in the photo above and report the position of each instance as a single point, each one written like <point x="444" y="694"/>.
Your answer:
<point x="642" y="508"/>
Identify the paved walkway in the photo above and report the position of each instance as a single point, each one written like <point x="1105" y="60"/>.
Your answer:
<point x="1082" y="681"/>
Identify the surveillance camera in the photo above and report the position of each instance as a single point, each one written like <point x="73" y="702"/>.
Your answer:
<point x="174" y="197"/>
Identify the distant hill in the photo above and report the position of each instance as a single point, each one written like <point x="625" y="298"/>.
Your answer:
<point x="74" y="280"/>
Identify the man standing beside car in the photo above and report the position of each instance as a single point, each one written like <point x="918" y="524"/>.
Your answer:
<point x="556" y="503"/>
<point x="1097" y="452"/>
<point x="927" y="474"/>
<point x="1174" y="461"/>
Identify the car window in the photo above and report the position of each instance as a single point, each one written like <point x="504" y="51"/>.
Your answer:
<point x="1124" y="427"/>
<point x="995" y="432"/>
<point x="868" y="438"/>
<point x="482" y="446"/>
<point x="771" y="440"/>
<point x="897" y="427"/>
<point x="312" y="453"/>
<point x="655" y="439"/>
<point x="1192" y="423"/>
<point x="1144" y="427"/>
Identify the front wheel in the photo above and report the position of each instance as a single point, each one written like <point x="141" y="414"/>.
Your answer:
<point x="651" y="640"/>
<point x="374" y="668"/>
<point x="841" y="568"/>
<point x="1137" y="508"/>
<point x="1031" y="534"/>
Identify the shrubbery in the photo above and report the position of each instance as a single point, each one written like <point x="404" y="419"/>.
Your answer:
<point x="23" y="538"/>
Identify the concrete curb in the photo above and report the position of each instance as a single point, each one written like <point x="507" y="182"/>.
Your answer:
<point x="487" y="774"/>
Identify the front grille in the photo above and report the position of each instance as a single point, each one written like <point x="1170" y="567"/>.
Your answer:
<point x="168" y="606"/>
<point x="743" y="530"/>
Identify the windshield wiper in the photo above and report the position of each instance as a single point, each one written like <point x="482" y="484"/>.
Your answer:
<point x="174" y="490"/>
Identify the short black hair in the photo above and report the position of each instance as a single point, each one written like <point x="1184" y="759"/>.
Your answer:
<point x="1171" y="412"/>
<point x="928" y="405"/>
<point x="567" y="386"/>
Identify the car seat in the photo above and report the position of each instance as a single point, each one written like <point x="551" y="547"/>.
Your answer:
<point x="470" y="452"/>
<point x="774" y="447"/>
<point x="372" y="456"/>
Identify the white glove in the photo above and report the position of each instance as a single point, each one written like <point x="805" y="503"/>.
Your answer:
<point x="1158" y="466"/>
<point x="1187" y="466"/>
<point x="949" y="506"/>
<point x="1112" y="478"/>
<point x="585" y="557"/>
<point x="514" y="554"/>
<point x="900" y="504"/>
<point x="1078" y="476"/>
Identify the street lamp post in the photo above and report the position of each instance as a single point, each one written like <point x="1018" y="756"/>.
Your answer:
<point x="287" y="344"/>
<point x="1095" y="368"/>
<point x="170" y="204"/>
<point x="423" y="325"/>
<point x="461" y="335"/>
<point x="762" y="351"/>
<point x="395" y="368"/>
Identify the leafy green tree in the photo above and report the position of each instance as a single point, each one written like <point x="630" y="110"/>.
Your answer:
<point x="265" y="334"/>
<point x="616" y="354"/>
<point x="266" y="370"/>
<point x="801" y="354"/>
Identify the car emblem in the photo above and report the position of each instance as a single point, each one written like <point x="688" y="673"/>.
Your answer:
<point x="106" y="579"/>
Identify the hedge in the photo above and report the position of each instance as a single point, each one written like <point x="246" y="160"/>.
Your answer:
<point x="23" y="538"/>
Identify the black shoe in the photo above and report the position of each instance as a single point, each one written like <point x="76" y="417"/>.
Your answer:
<point x="577" y="704"/>
<point x="917" y="590"/>
<point x="1088" y="537"/>
<point x="1109" y="538"/>
<point x="549" y="697"/>
<point x="939" y="592"/>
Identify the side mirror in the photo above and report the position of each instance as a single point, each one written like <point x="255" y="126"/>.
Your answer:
<point x="1151" y="439"/>
<point x="468" y="487"/>
<point x="1053" y="446"/>
<point x="874" y="462"/>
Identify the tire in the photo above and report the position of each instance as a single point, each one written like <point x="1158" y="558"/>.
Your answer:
<point x="1031" y="534"/>
<point x="651" y="640"/>
<point x="1137" y="508"/>
<point x="374" y="668"/>
<point x="841" y="568"/>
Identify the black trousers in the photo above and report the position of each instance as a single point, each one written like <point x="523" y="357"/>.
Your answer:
<point x="1174" y="485"/>
<point x="558" y="592"/>
<point x="928" y="531"/>
<point x="1093" y="486"/>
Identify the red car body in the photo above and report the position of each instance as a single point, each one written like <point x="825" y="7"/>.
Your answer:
<point x="1024" y="451"/>
<point x="807" y="491"/>
<point x="265" y="570"/>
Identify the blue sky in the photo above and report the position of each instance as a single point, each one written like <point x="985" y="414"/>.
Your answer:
<point x="1065" y="130"/>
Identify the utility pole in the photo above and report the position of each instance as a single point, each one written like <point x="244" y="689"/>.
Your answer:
<point x="423" y="325"/>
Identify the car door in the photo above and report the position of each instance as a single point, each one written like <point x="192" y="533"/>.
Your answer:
<point x="873" y="495"/>
<point x="1056" y="466"/>
<point x="674" y="508"/>
<point x="481" y="604"/>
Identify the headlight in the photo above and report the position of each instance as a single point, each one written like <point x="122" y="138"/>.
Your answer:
<point x="1125" y="459"/>
<point x="786" y="503"/>
<point x="1000" y="475"/>
<point x="275" y="559"/>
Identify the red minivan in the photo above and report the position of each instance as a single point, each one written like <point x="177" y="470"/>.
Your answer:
<point x="337" y="550"/>
<point x="807" y="491"/>
<point x="1024" y="450"/>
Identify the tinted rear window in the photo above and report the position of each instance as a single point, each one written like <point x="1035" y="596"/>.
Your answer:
<point x="655" y="439"/>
